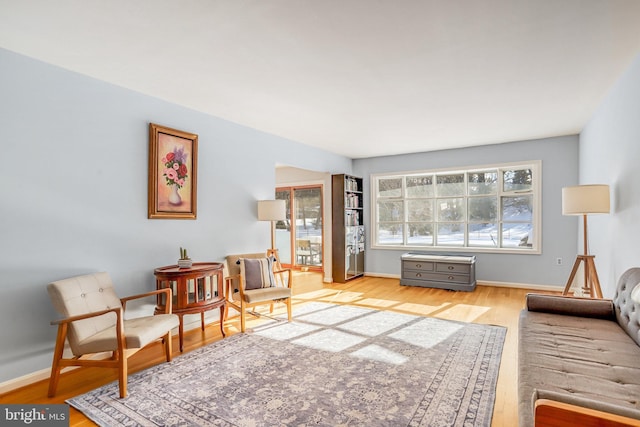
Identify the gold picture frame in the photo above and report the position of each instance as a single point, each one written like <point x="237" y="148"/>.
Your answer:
<point x="173" y="172"/>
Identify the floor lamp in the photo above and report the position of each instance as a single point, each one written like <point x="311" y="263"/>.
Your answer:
<point x="584" y="200"/>
<point x="272" y="210"/>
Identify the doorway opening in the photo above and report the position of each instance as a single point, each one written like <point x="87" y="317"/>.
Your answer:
<point x="299" y="239"/>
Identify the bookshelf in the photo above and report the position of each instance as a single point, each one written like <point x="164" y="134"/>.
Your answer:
<point x="348" y="233"/>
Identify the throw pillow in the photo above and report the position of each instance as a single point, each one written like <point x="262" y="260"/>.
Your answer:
<point x="257" y="273"/>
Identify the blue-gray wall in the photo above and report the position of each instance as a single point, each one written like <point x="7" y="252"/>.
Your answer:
<point x="610" y="154"/>
<point x="74" y="173"/>
<point x="559" y="158"/>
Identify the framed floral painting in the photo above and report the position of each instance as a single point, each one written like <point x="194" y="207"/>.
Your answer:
<point x="173" y="167"/>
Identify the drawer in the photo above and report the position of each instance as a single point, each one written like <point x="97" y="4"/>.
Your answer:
<point x="453" y="268"/>
<point x="417" y="265"/>
<point x="436" y="277"/>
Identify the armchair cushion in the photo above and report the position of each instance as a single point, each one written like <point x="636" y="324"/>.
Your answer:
<point x="257" y="273"/>
<point x="81" y="295"/>
<point x="138" y="333"/>
<point x="267" y="294"/>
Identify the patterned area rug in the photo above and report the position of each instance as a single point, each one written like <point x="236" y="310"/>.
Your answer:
<point x="332" y="366"/>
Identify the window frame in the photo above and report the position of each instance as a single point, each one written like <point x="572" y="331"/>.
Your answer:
<point x="532" y="247"/>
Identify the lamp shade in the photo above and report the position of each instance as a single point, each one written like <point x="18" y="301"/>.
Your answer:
<point x="585" y="199"/>
<point x="272" y="210"/>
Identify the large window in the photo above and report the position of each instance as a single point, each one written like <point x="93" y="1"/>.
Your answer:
<point x="492" y="208"/>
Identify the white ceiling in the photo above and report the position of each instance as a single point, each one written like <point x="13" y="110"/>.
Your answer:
<point x="360" y="78"/>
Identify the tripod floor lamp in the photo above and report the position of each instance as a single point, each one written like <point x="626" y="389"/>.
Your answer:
<point x="585" y="200"/>
<point x="272" y="210"/>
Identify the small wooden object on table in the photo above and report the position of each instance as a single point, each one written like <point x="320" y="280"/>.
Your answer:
<point x="195" y="290"/>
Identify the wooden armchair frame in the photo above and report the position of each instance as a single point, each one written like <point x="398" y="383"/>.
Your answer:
<point x="118" y="359"/>
<point x="245" y="305"/>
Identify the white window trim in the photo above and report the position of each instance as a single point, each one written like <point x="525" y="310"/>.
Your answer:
<point x="536" y="249"/>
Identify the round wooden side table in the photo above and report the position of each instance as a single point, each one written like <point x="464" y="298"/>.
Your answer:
<point x="194" y="290"/>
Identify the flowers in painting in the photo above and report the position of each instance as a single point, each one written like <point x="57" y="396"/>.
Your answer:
<point x="175" y="171"/>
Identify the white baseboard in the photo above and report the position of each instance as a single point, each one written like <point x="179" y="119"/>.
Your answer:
<point x="383" y="275"/>
<point x="24" y="380"/>
<point x="536" y="287"/>
<point x="533" y="287"/>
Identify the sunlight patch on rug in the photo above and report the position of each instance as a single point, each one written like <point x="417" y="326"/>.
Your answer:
<point x="329" y="340"/>
<point x="375" y="352"/>
<point x="427" y="332"/>
<point x="331" y="314"/>
<point x="332" y="366"/>
<point x="376" y="323"/>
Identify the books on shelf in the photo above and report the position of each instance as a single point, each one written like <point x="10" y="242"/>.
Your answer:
<point x="352" y="201"/>
<point x="352" y="218"/>
<point x="351" y="184"/>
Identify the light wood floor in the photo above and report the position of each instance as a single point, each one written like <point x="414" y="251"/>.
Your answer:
<point x="489" y="305"/>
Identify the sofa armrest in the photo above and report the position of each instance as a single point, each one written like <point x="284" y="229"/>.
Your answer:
<point x="560" y="410"/>
<point x="571" y="306"/>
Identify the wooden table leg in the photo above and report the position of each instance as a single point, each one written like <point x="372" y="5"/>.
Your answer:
<point x="222" y="315"/>
<point x="181" y="330"/>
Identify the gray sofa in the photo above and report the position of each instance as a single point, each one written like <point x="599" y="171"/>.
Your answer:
<point x="582" y="353"/>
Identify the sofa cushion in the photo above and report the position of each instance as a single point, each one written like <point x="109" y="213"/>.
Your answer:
<point x="589" y="358"/>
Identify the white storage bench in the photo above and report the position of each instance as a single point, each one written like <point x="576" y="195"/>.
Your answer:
<point x="453" y="272"/>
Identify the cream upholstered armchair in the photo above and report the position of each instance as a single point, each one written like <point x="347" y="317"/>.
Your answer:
<point x="94" y="323"/>
<point x="252" y="281"/>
